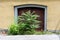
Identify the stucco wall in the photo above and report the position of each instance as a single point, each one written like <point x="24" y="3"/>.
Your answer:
<point x="53" y="12"/>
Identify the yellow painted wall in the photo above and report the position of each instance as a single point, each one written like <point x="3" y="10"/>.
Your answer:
<point x="7" y="12"/>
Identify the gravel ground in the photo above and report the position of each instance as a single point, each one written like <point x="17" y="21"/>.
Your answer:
<point x="31" y="37"/>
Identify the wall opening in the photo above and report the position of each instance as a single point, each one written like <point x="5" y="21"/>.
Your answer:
<point x="39" y="9"/>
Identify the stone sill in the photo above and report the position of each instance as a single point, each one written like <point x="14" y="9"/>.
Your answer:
<point x="30" y="37"/>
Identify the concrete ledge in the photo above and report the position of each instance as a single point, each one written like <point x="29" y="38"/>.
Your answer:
<point x="31" y="37"/>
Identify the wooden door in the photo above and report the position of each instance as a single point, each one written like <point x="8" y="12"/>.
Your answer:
<point x="39" y="11"/>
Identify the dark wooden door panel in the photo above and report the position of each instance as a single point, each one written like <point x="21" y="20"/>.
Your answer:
<point x="38" y="11"/>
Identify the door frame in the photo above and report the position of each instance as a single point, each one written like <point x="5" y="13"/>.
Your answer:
<point x="31" y="5"/>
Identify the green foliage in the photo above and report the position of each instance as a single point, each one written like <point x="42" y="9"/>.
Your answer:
<point x="13" y="30"/>
<point x="27" y="23"/>
<point x="43" y="32"/>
